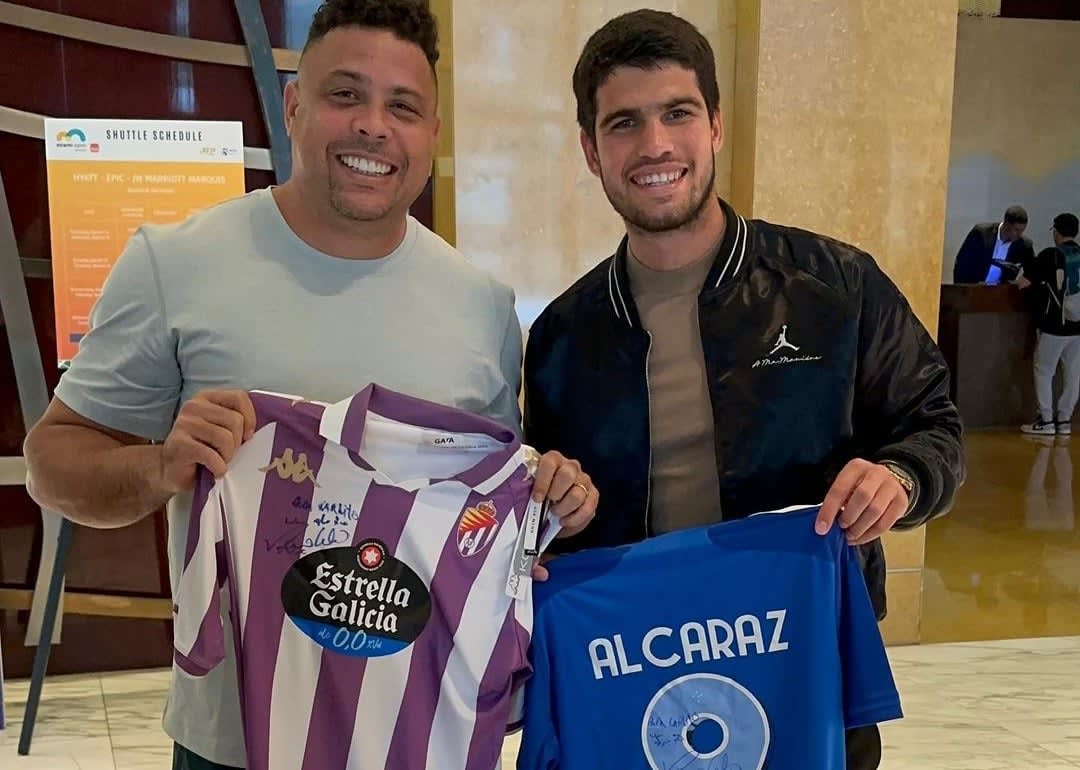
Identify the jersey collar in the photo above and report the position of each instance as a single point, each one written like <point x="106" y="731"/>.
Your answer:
<point x="343" y="423"/>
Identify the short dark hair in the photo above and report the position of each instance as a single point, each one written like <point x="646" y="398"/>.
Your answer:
<point x="646" y="39"/>
<point x="1067" y="225"/>
<point x="1015" y="215"/>
<point x="408" y="20"/>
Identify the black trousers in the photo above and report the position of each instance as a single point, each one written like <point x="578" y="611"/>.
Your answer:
<point x="863" y="748"/>
<point x="185" y="759"/>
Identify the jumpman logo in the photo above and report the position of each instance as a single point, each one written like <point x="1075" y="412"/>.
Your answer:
<point x="781" y="341"/>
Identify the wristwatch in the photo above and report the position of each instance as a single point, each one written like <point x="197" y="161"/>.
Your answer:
<point x="906" y="480"/>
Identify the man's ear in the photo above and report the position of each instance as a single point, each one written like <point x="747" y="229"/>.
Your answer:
<point x="588" y="147"/>
<point x="717" y="129"/>
<point x="292" y="104"/>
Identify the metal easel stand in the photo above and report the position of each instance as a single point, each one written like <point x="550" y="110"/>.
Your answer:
<point x="43" y="628"/>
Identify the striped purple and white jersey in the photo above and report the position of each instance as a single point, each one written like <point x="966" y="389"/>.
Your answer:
<point x="366" y="547"/>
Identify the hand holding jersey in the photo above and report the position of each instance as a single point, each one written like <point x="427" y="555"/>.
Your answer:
<point x="569" y="489"/>
<point x="208" y="430"/>
<point x="868" y="498"/>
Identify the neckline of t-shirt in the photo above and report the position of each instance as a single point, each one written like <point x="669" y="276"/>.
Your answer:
<point x="298" y="245"/>
<point x="648" y="282"/>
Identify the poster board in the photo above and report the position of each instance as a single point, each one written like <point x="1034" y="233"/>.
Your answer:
<point x="108" y="177"/>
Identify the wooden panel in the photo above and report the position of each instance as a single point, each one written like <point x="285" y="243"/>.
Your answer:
<point x="1041" y="9"/>
<point x="987" y="336"/>
<point x="100" y="605"/>
<point x="89" y="644"/>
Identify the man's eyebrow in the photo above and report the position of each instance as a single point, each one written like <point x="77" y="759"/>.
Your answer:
<point x="340" y="74"/>
<point x="678" y="101"/>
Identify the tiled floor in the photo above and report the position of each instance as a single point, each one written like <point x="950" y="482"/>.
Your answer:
<point x="91" y="722"/>
<point x="979" y="706"/>
<point x="1005" y="562"/>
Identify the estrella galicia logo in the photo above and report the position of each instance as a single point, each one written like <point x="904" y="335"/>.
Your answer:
<point x="358" y="600"/>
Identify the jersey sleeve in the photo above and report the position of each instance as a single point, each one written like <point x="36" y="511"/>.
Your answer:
<point x="125" y="375"/>
<point x="869" y="691"/>
<point x="198" y="635"/>
<point x="539" y="741"/>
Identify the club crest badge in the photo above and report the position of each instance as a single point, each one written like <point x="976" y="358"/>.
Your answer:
<point x="476" y="528"/>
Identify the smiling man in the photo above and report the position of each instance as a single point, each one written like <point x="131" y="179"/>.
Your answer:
<point x="316" y="288"/>
<point x="714" y="366"/>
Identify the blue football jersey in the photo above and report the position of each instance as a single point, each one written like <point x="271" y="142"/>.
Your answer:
<point x="747" y="645"/>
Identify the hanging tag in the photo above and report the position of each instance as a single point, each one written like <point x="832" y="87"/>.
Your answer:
<point x="526" y="549"/>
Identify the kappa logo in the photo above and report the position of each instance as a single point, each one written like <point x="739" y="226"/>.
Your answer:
<point x="782" y="343"/>
<point x="476" y="528"/>
<point x="291" y="468"/>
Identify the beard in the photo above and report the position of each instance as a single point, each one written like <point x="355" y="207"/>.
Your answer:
<point x="339" y="201"/>
<point x="671" y="217"/>
<point x="338" y="186"/>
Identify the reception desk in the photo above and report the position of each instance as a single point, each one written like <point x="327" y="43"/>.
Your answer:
<point x="987" y="336"/>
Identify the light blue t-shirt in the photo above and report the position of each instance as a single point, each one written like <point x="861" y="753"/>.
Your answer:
<point x="233" y="298"/>
<point x="749" y="645"/>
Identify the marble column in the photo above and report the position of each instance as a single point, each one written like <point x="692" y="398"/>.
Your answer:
<point x="841" y="125"/>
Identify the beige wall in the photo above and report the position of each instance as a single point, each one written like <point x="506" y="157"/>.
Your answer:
<point x="528" y="209"/>
<point x="1016" y="126"/>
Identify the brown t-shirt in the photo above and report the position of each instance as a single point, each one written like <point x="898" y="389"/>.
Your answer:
<point x="685" y="489"/>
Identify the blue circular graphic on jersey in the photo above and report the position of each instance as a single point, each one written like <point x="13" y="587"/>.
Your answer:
<point x="358" y="600"/>
<point x="704" y="722"/>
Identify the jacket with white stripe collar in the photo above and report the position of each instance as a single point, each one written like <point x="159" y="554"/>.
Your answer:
<point x="813" y="357"/>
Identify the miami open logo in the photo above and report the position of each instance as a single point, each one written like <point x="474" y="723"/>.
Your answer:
<point x="71" y="137"/>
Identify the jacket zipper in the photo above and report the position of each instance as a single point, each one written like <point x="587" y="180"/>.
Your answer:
<point x="648" y="477"/>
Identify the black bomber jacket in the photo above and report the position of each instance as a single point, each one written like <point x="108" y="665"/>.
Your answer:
<point x="813" y="357"/>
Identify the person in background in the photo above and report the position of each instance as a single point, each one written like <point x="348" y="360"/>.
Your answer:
<point x="993" y="241"/>
<point x="1053" y="277"/>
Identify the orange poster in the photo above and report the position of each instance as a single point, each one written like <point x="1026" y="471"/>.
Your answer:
<point x="106" y="178"/>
